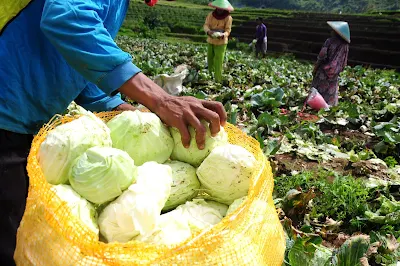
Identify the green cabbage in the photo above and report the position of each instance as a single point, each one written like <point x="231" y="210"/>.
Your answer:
<point x="185" y="184"/>
<point x="236" y="204"/>
<point x="200" y="214"/>
<point x="137" y="211"/>
<point x="172" y="228"/>
<point x="193" y="155"/>
<point x="102" y="173"/>
<point x="80" y="207"/>
<point x="67" y="142"/>
<point x="142" y="135"/>
<point x="225" y="174"/>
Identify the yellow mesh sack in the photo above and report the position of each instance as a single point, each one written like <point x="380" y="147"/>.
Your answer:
<point x="50" y="235"/>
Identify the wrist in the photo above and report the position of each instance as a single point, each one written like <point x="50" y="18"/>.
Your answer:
<point x="144" y="91"/>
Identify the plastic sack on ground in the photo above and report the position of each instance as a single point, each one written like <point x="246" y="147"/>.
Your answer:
<point x="172" y="84"/>
<point x="250" y="235"/>
<point x="316" y="101"/>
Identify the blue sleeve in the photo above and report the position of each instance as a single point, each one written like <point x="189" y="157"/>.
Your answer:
<point x="95" y="100"/>
<point x="75" y="28"/>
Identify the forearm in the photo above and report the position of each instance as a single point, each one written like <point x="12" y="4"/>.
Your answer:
<point x="144" y="91"/>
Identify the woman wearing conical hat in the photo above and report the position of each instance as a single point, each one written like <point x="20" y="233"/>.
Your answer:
<point x="218" y="28"/>
<point x="331" y="61"/>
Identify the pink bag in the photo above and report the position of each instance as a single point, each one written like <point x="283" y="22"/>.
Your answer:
<point x="316" y="101"/>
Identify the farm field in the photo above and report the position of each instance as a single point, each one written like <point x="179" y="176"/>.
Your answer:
<point x="337" y="172"/>
<point x="375" y="38"/>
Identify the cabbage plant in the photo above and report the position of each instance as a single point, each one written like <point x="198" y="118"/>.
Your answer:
<point x="102" y="173"/>
<point x="193" y="155"/>
<point x="185" y="184"/>
<point x="67" y="142"/>
<point x="137" y="211"/>
<point x="225" y="174"/>
<point x="142" y="135"/>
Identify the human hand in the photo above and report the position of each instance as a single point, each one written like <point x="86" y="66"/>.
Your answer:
<point x="178" y="112"/>
<point x="210" y="32"/>
<point x="181" y="112"/>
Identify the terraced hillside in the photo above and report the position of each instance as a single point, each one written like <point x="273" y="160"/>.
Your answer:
<point x="375" y="38"/>
<point x="375" y="41"/>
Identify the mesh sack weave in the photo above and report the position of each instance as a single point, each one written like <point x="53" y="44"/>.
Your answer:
<point x="50" y="235"/>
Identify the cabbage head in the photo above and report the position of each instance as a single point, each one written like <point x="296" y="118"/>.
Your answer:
<point x="236" y="204"/>
<point x="225" y="174"/>
<point x="142" y="135"/>
<point x="193" y="155"/>
<point x="184" y="184"/>
<point x="200" y="214"/>
<point x="67" y="142"/>
<point x="102" y="173"/>
<point x="172" y="228"/>
<point x="137" y="211"/>
<point x="80" y="207"/>
<point x="222" y="208"/>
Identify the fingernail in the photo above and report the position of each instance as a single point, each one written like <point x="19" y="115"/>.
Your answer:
<point x="186" y="146"/>
<point x="201" y="146"/>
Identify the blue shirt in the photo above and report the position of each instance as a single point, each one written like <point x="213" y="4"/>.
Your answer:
<point x="56" y="51"/>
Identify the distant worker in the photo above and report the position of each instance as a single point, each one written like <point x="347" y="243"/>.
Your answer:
<point x="218" y="28"/>
<point x="261" y="37"/>
<point x="332" y="59"/>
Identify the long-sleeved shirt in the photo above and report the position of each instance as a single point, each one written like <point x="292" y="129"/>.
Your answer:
<point x="55" y="51"/>
<point x="261" y="32"/>
<point x="223" y="25"/>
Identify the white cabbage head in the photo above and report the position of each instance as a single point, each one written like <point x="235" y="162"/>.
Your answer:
<point x="225" y="174"/>
<point x="79" y="206"/>
<point x="172" y="228"/>
<point x="222" y="208"/>
<point x="236" y="204"/>
<point x="193" y="155"/>
<point x="185" y="184"/>
<point x="200" y="214"/>
<point x="137" y="210"/>
<point x="142" y="135"/>
<point x="67" y="142"/>
<point x="102" y="173"/>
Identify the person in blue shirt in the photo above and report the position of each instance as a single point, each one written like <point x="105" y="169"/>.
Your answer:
<point x="53" y="52"/>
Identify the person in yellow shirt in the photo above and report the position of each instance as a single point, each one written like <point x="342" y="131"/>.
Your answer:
<point x="218" y="28"/>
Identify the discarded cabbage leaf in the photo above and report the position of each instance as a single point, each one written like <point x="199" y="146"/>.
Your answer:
<point x="185" y="184"/>
<point x="67" y="142"/>
<point x="79" y="206"/>
<point x="225" y="174"/>
<point x="193" y="155"/>
<point x="142" y="135"/>
<point x="102" y="173"/>
<point x="137" y="210"/>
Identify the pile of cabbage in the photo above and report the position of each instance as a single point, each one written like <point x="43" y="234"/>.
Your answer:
<point x="131" y="179"/>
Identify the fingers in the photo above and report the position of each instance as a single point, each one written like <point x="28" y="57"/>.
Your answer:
<point x="212" y="117"/>
<point x="185" y="135"/>
<point x="218" y="108"/>
<point x="200" y="130"/>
